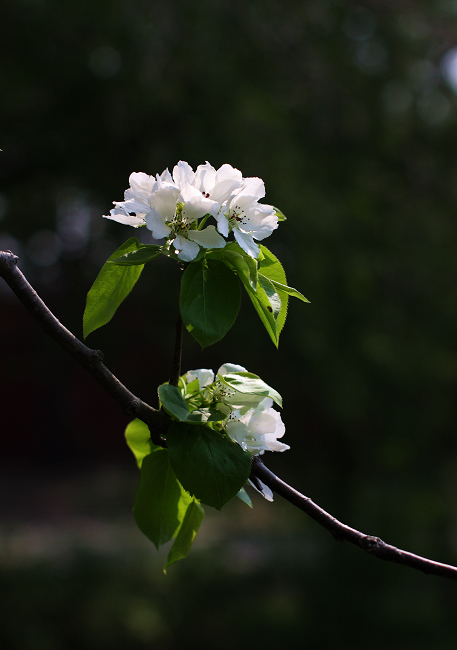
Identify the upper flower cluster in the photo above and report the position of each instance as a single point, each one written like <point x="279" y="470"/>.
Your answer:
<point x="171" y="205"/>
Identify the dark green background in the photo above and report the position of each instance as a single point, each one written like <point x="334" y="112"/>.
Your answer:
<point x="343" y="109"/>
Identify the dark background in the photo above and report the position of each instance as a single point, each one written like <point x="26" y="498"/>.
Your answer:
<point x="347" y="111"/>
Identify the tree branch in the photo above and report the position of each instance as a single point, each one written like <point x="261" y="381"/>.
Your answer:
<point x="372" y="545"/>
<point x="91" y="360"/>
<point x="158" y="422"/>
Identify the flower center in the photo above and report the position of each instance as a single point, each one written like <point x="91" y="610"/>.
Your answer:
<point x="236" y="217"/>
<point x="178" y="224"/>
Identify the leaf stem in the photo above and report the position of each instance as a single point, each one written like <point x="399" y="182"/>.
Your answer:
<point x="203" y="221"/>
<point x="176" y="367"/>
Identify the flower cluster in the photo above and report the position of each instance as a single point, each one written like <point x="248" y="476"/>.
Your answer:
<point x="171" y="205"/>
<point x="252" y="422"/>
<point x="250" y="419"/>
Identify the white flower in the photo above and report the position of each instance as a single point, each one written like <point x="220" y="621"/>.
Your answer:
<point x="235" y="398"/>
<point x="217" y="185"/>
<point x="248" y="219"/>
<point x="258" y="429"/>
<point x="205" y="377"/>
<point x="133" y="210"/>
<point x="170" y="204"/>
<point x="226" y="368"/>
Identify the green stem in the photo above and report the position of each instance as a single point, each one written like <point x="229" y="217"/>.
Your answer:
<point x="203" y="221"/>
<point x="176" y="368"/>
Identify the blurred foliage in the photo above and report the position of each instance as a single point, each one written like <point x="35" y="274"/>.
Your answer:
<point x="348" y="112"/>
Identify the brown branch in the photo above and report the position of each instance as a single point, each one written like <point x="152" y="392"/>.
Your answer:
<point x="91" y="360"/>
<point x="372" y="545"/>
<point x="158" y="423"/>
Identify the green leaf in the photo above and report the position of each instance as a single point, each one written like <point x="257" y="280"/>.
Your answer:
<point x="245" y="271"/>
<point x="203" y="415"/>
<point x="242" y="263"/>
<point x="192" y="387"/>
<point x="274" y="301"/>
<point x="186" y="534"/>
<point x="173" y="402"/>
<point x="161" y="502"/>
<point x="264" y="309"/>
<point x="175" y="405"/>
<point x="290" y="291"/>
<point x="210" y="300"/>
<point x="139" y="440"/>
<point x="145" y="253"/>
<point x="112" y="285"/>
<point x="208" y="464"/>
<point x="248" y="383"/>
<point x="271" y="268"/>
<point x="281" y="216"/>
<point x="244" y="496"/>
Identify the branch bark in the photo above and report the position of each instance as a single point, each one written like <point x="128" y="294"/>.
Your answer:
<point x="369" y="543"/>
<point x="91" y="360"/>
<point x="158" y="422"/>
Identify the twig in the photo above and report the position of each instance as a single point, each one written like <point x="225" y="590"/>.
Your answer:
<point x="91" y="360"/>
<point x="176" y="368"/>
<point x="372" y="545"/>
<point x="158" y="423"/>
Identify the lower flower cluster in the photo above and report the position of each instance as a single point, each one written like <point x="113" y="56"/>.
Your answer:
<point x="251" y="420"/>
<point x="247" y="404"/>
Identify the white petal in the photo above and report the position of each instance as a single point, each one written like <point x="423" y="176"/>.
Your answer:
<point x="265" y="490"/>
<point x="165" y="177"/>
<point x="247" y="243"/>
<point x="204" y="178"/>
<point x="227" y="180"/>
<point x="188" y="250"/>
<point x="261" y="423"/>
<point x="208" y="237"/>
<point x="204" y="375"/>
<point x="230" y="367"/>
<point x="226" y="172"/>
<point x="121" y="216"/>
<point x="189" y="192"/>
<point x="222" y="224"/>
<point x="223" y="190"/>
<point x="238" y="432"/>
<point x="164" y="201"/>
<point x="275" y="445"/>
<point x="156" y="224"/>
<point x="183" y="173"/>
<point x="260" y="221"/>
<point x="253" y="187"/>
<point x="137" y="205"/>
<point x="197" y="207"/>
<point x="142" y="184"/>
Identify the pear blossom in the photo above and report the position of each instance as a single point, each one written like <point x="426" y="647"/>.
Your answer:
<point x="217" y="185"/>
<point x="258" y="429"/>
<point x="171" y="205"/>
<point x="248" y="219"/>
<point x="135" y="207"/>
<point x="176" y="208"/>
<point x="235" y="399"/>
<point x="205" y="377"/>
<point x="249" y="419"/>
